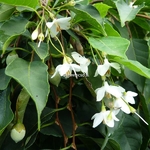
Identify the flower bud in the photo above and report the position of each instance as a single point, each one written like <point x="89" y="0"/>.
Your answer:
<point x="55" y="80"/>
<point x="18" y="132"/>
<point x="34" y="34"/>
<point x="41" y="36"/>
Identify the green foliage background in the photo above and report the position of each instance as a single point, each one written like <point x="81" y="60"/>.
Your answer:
<point x="59" y="117"/>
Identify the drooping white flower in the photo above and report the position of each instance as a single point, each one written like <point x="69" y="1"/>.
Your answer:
<point x="121" y="104"/>
<point x="58" y="24"/>
<point x="113" y="90"/>
<point x="102" y="69"/>
<point x="34" y="34"/>
<point x="66" y="68"/>
<point x="18" y="132"/>
<point x="128" y="97"/>
<point x="108" y="118"/>
<point x="84" y="62"/>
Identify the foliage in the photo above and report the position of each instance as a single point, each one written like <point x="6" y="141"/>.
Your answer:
<point x="57" y="59"/>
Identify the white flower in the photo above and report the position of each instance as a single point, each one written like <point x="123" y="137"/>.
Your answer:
<point x="58" y="24"/>
<point x="121" y="104"/>
<point x="66" y="68"/>
<point x="107" y="117"/>
<point x="34" y="34"/>
<point x="128" y="97"/>
<point x="18" y="132"/>
<point x="113" y="90"/>
<point x="84" y="62"/>
<point x="102" y="69"/>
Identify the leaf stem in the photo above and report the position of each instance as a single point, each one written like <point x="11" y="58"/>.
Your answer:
<point x="105" y="141"/>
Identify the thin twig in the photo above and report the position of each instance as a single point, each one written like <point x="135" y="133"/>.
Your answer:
<point x="143" y="16"/>
<point x="72" y="116"/>
<point x="128" y="28"/>
<point x="57" y="117"/>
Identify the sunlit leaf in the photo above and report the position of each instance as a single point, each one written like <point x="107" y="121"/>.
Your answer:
<point x="26" y="3"/>
<point x="41" y="51"/>
<point x="127" y="12"/>
<point x="116" y="46"/>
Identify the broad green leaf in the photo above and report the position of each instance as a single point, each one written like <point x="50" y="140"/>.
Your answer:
<point x="145" y="23"/>
<point x="134" y="66"/>
<point x="138" y="51"/>
<point x="25" y="3"/>
<point x="41" y="51"/>
<point x="4" y="79"/>
<point x="6" y="11"/>
<point x="102" y="8"/>
<point x="126" y="11"/>
<point x="128" y="135"/>
<point x="6" y="114"/>
<point x="89" y="14"/>
<point x="116" y="46"/>
<point x="11" y="29"/>
<point x="110" y="30"/>
<point x="33" y="77"/>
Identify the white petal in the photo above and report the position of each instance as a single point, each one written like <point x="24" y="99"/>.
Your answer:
<point x="98" y="118"/>
<point x="63" y="69"/>
<point x="100" y="93"/>
<point x="114" y="117"/>
<point x="113" y="90"/>
<point x="64" y="23"/>
<point x="129" y="97"/>
<point x="49" y="24"/>
<point x="96" y="73"/>
<point x="130" y="93"/>
<point x="80" y="59"/>
<point x="102" y="69"/>
<point x="84" y="69"/>
<point x="119" y="103"/>
<point x="76" y="67"/>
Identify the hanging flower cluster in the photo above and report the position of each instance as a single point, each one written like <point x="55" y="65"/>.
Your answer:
<point x="114" y="97"/>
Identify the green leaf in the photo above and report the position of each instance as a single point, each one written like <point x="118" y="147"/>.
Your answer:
<point x="145" y="23"/>
<point x="4" y="79"/>
<point x="41" y="51"/>
<point x="6" y="11"/>
<point x="116" y="46"/>
<point x="26" y="3"/>
<point x="102" y="8"/>
<point x="89" y="14"/>
<point x="6" y="114"/>
<point x="127" y="12"/>
<point x="128" y="135"/>
<point x="33" y="77"/>
<point x="11" y="29"/>
<point x="134" y="66"/>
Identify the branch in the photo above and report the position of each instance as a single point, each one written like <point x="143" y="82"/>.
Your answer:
<point x="57" y="117"/>
<point x="72" y="115"/>
<point x="143" y="16"/>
